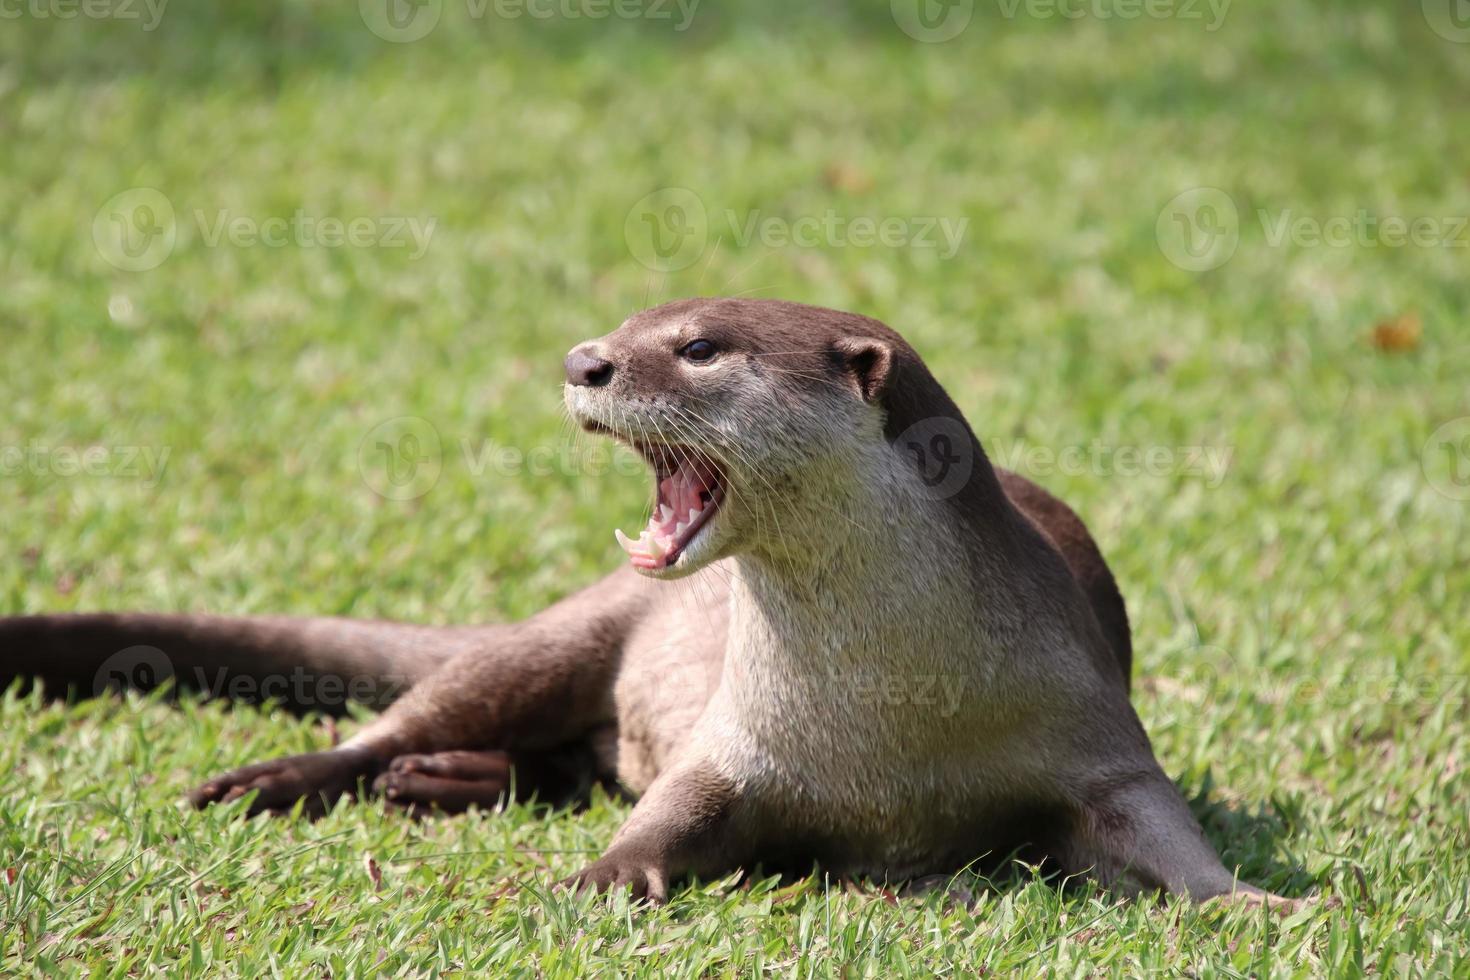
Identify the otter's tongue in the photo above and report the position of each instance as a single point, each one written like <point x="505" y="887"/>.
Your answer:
<point x="686" y="499"/>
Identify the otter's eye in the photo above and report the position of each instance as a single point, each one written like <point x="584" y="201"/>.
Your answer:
<point x="697" y="351"/>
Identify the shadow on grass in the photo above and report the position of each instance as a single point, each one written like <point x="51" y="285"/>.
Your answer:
<point x="1251" y="840"/>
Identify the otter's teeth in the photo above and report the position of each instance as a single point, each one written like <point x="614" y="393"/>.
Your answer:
<point x="651" y="546"/>
<point x="680" y="528"/>
<point x="623" y="541"/>
<point x="665" y="513"/>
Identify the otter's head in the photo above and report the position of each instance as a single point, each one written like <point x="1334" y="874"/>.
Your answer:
<point x="746" y="410"/>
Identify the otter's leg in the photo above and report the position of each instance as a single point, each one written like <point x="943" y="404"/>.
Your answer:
<point x="543" y="683"/>
<point x="1136" y="833"/>
<point x="681" y="826"/>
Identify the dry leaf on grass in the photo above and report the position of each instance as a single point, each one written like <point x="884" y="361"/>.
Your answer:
<point x="1398" y="334"/>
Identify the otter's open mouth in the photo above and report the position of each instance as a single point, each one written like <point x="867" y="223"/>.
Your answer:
<point x="689" y="489"/>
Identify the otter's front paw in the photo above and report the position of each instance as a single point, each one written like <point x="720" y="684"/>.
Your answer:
<point x="644" y="877"/>
<point x="319" y="778"/>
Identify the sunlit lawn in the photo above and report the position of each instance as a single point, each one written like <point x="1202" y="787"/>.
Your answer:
<point x="190" y="423"/>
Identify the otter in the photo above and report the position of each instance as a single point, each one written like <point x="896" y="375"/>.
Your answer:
<point x="885" y="657"/>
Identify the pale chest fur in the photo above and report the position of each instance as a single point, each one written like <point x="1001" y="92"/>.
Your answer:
<point x="873" y="710"/>
<point x="671" y="667"/>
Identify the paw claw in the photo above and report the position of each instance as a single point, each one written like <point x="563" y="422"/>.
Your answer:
<point x="642" y="879"/>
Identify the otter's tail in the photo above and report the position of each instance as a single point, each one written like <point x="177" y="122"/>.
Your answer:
<point x="306" y="664"/>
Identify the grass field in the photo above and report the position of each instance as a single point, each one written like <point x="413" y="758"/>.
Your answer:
<point x="1258" y="394"/>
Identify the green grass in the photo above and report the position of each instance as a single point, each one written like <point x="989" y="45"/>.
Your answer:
<point x="1300" y="617"/>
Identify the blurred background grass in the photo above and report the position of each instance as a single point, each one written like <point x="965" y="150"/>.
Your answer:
<point x="1300" y="621"/>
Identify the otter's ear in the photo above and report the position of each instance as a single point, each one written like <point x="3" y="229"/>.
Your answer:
<point x="868" y="363"/>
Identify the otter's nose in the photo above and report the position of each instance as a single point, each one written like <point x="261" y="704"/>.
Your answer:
<point x="586" y="369"/>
